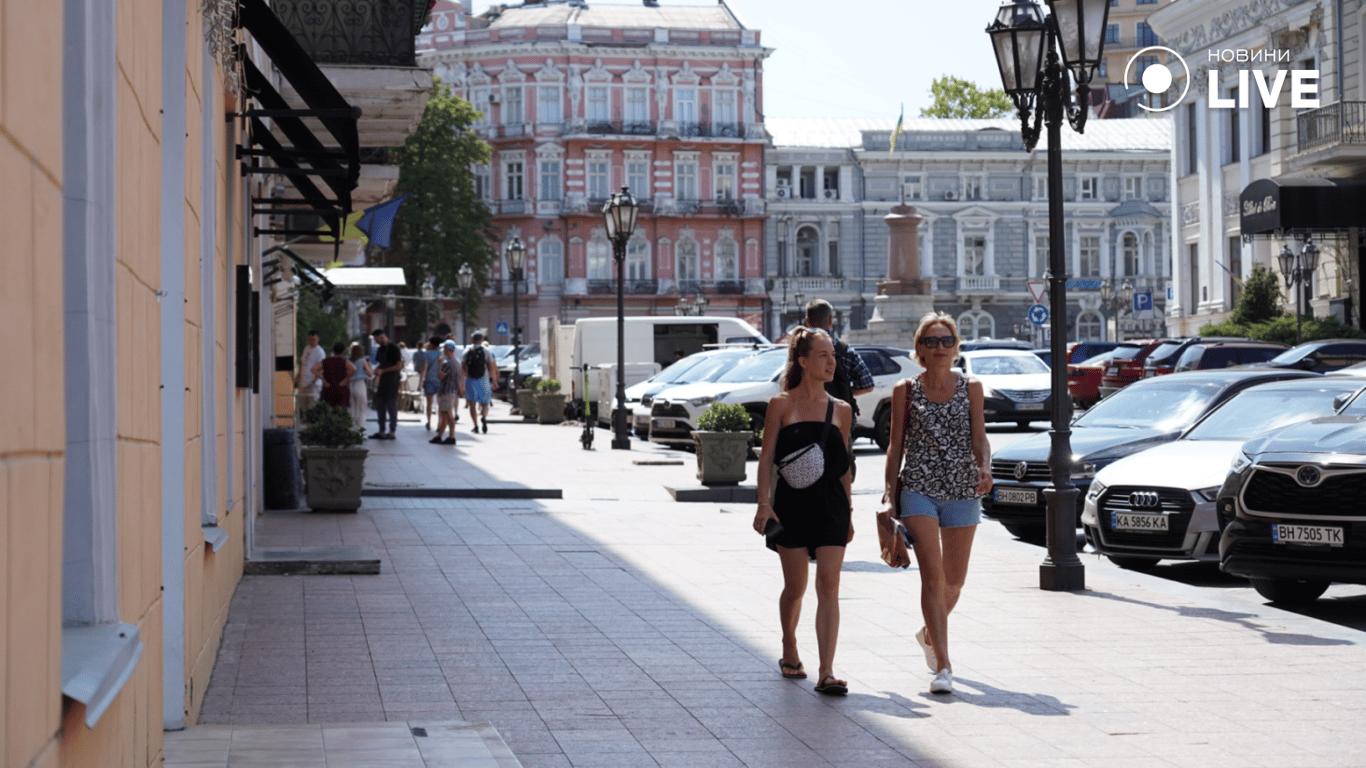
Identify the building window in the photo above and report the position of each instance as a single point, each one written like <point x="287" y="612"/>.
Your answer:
<point x="550" y="180"/>
<point x="1133" y="187"/>
<point x="974" y="255"/>
<point x="1040" y="188"/>
<point x="599" y="259"/>
<point x="1130" y="251"/>
<point x="807" y="243"/>
<point x="549" y="109"/>
<point x="685" y="107"/>
<point x="479" y="99"/>
<point x="1146" y="35"/>
<point x="976" y="324"/>
<point x="512" y="180"/>
<point x="832" y="259"/>
<point x="1102" y="71"/>
<point x="1262" y="144"/>
<point x="481" y="182"/>
<point x="972" y="187"/>
<point x="638" y="176"/>
<point x="599" y="167"/>
<point x="727" y="264"/>
<point x="1090" y="188"/>
<point x="1040" y="254"/>
<point x="910" y="187"/>
<point x="512" y="105"/>
<point x="1111" y="33"/>
<point x="686" y="270"/>
<point x="637" y="105"/>
<point x="1192" y="149"/>
<point x="724" y="174"/>
<point x="724" y="100"/>
<point x="637" y="258"/>
<point x="597" y="104"/>
<point x="1234" y="129"/>
<point x="1088" y="256"/>
<point x="1089" y="326"/>
<point x="550" y="261"/>
<point x="685" y="178"/>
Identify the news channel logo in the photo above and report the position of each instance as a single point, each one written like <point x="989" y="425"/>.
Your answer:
<point x="1157" y="78"/>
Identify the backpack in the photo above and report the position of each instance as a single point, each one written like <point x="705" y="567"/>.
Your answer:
<point x="841" y="386"/>
<point x="475" y="363"/>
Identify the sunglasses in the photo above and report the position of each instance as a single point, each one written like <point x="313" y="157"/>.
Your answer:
<point x="937" y="341"/>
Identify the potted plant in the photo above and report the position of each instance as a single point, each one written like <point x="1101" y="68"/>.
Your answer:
<point x="549" y="402"/>
<point x="334" y="464"/>
<point x="723" y="434"/>
<point x="526" y="397"/>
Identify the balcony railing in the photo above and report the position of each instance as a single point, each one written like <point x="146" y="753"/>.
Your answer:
<point x="633" y="287"/>
<point x="1340" y="123"/>
<point x="979" y="283"/>
<point x="368" y="32"/>
<point x="615" y="127"/>
<point x="719" y="130"/>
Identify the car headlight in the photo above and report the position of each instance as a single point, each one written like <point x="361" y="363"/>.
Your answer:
<point x="989" y="392"/>
<point x="1208" y="494"/>
<point x="1083" y="470"/>
<point x="698" y="402"/>
<point x="1093" y="493"/>
<point x="1240" y="463"/>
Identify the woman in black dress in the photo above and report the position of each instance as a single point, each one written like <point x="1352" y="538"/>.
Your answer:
<point x="815" y="520"/>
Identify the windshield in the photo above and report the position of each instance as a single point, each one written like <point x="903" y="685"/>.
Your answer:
<point x="1005" y="365"/>
<point x="1357" y="407"/>
<point x="1254" y="411"/>
<point x="1290" y="356"/>
<point x="1126" y="353"/>
<point x="1166" y="406"/>
<point x="760" y="367"/>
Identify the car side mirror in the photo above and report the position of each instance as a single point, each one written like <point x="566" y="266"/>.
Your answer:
<point x="1340" y="401"/>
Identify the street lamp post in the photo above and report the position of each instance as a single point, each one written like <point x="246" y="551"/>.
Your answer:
<point x="1036" y="56"/>
<point x="1117" y="301"/>
<point x="516" y="256"/>
<point x="465" y="279"/>
<point x="1299" y="271"/>
<point x="619" y="215"/>
<point x="390" y="302"/>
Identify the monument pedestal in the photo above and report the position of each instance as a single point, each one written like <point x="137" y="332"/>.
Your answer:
<point x="904" y="297"/>
<point x="895" y="318"/>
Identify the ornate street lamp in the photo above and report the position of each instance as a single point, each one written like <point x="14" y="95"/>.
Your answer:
<point x="516" y="256"/>
<point x="1117" y="301"/>
<point x="465" y="279"/>
<point x="619" y="215"/>
<point x="1028" y="46"/>
<point x="1299" y="272"/>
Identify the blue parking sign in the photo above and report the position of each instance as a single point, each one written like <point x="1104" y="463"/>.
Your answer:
<point x="1143" y="301"/>
<point x="501" y="328"/>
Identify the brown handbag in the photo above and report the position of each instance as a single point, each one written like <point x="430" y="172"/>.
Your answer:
<point x="891" y="534"/>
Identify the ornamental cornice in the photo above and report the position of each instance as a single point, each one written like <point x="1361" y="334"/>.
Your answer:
<point x="1185" y="35"/>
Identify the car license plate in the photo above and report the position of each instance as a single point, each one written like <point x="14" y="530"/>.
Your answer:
<point x="1029" y="406"/>
<point x="663" y="424"/>
<point x="1306" y="534"/>
<point x="1016" y="496"/>
<point x="1125" y="521"/>
<point x="1112" y="371"/>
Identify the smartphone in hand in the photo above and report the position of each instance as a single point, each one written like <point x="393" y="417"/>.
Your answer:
<point x="772" y="527"/>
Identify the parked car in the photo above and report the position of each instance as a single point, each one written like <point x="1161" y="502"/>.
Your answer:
<point x="1083" y="379"/>
<point x="1142" y="415"/>
<point x="1162" y="361"/>
<point x="1292" y="508"/>
<point x="970" y="345"/>
<point x="1084" y="350"/>
<point x="888" y="365"/>
<point x="1322" y="356"/>
<point x="1159" y="504"/>
<point x="1226" y="354"/>
<point x="700" y="366"/>
<point x="1126" y="365"/>
<point x="1015" y="384"/>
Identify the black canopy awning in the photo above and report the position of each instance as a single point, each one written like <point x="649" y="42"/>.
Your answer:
<point x="1275" y="206"/>
<point x="305" y="156"/>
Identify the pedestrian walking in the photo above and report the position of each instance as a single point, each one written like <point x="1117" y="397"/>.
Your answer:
<point x="335" y="372"/>
<point x="480" y="371"/>
<point x="448" y="394"/>
<point x="359" y="382"/>
<point x="806" y="432"/>
<point x="389" y="368"/>
<point x="852" y="377"/>
<point x="427" y="363"/>
<point x="307" y="386"/>
<point x="938" y="468"/>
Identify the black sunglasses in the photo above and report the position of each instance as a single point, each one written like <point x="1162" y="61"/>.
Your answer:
<point x="936" y="341"/>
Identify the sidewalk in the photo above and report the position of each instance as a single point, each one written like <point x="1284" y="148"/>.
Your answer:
<point x="615" y="627"/>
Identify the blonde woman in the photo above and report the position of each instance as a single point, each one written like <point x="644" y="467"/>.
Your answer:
<point x="363" y="373"/>
<point x="940" y="460"/>
<point x="814" y="520"/>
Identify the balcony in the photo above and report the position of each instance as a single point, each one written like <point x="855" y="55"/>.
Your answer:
<point x="712" y="130"/>
<point x="632" y="287"/>
<point x="977" y="284"/>
<point x="614" y="127"/>
<point x="377" y="33"/>
<point x="1333" y="135"/>
<point x="812" y="285"/>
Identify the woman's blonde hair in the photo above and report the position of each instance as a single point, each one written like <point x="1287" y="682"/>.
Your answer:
<point x="799" y="346"/>
<point x="933" y="318"/>
<point x="357" y="351"/>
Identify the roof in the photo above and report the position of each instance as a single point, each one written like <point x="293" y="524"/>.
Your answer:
<point x="1145" y="134"/>
<point x="616" y="16"/>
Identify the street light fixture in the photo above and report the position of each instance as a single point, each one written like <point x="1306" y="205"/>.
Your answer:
<point x="1299" y="272"/>
<point x="1028" y="46"/>
<point x="465" y="279"/>
<point x="619" y="215"/>
<point x="390" y="302"/>
<point x="1116" y="302"/>
<point x="516" y="257"/>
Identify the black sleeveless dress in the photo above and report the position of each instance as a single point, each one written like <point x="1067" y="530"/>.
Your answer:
<point x="818" y="515"/>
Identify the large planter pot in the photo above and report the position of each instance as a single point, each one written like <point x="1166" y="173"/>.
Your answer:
<point x="721" y="457"/>
<point x="333" y="477"/>
<point x="526" y="403"/>
<point x="550" y="408"/>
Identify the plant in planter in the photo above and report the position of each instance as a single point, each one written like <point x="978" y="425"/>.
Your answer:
<point x="549" y="402"/>
<point x="333" y="461"/>
<point x="723" y="433"/>
<point x="526" y="397"/>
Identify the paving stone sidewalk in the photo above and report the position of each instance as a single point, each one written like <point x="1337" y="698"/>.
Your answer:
<point x="616" y="627"/>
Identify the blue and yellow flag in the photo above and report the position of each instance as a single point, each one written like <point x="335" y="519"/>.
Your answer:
<point x="349" y="230"/>
<point x="897" y="132"/>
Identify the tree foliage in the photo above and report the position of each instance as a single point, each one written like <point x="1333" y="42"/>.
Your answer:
<point x="1282" y="329"/>
<point x="445" y="224"/>
<point x="955" y="97"/>
<point x="1261" y="298"/>
<point x="313" y="314"/>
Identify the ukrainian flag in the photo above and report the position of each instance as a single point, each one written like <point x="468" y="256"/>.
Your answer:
<point x="349" y="230"/>
<point x="900" y="118"/>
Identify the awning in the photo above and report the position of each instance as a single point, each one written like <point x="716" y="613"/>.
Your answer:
<point x="1275" y="206"/>
<point x="306" y="155"/>
<point x="366" y="277"/>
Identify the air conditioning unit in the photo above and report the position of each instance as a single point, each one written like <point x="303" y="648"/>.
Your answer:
<point x="832" y="194"/>
<point x="784" y="192"/>
<point x="495" y="98"/>
<point x="950" y="195"/>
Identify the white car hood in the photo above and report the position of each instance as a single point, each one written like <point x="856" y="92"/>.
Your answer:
<point x="1017" y="381"/>
<point x="699" y="389"/>
<point x="1188" y="464"/>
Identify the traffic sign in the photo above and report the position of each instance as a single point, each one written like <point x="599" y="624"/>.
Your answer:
<point x="1088" y="284"/>
<point x="1038" y="314"/>
<point x="1036" y="289"/>
<point x="501" y="328"/>
<point x="1143" y="304"/>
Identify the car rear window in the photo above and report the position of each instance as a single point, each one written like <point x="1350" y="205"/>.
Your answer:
<point x="1219" y="357"/>
<point x="1257" y="354"/>
<point x="1163" y="405"/>
<point x="1126" y="352"/>
<point x="1165" y="353"/>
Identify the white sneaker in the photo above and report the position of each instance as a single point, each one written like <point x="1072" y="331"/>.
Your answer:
<point x="942" y="682"/>
<point x="930" y="660"/>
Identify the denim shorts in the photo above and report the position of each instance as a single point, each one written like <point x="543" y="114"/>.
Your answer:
<point x="951" y="513"/>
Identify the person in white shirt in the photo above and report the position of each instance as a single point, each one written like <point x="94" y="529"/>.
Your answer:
<point x="306" y="385"/>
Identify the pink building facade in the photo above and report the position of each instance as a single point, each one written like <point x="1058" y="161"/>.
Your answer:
<point x="579" y="101"/>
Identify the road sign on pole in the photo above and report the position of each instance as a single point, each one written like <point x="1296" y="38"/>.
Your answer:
<point x="1038" y="314"/>
<point x="501" y="328"/>
<point x="1036" y="289"/>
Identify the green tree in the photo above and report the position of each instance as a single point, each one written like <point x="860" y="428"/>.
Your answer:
<point x="1260" y="300"/>
<point x="313" y="314"/>
<point x="445" y="224"/>
<point x="955" y="97"/>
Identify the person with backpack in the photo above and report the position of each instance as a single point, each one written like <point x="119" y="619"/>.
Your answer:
<point x="480" y="372"/>
<point x="852" y="377"/>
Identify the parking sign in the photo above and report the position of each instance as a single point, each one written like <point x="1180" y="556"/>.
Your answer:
<point x="1143" y="305"/>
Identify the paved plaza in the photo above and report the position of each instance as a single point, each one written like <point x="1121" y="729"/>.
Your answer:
<point x="616" y="627"/>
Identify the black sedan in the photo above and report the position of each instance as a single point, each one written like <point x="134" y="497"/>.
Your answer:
<point x="1144" y="414"/>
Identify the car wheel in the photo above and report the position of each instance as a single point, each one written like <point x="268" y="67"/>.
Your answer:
<point x="1290" y="591"/>
<point x="1022" y="423"/>
<point x="1030" y="533"/>
<point x="1133" y="563"/>
<point x="882" y="428"/>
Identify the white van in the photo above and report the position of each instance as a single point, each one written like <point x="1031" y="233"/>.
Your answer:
<point x="651" y="339"/>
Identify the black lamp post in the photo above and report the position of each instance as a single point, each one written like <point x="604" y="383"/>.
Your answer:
<point x="516" y="256"/>
<point x="1117" y="301"/>
<point x="390" y="302"/>
<point x="1028" y="47"/>
<point x="619" y="214"/>
<point x="465" y="279"/>
<point x="1299" y="271"/>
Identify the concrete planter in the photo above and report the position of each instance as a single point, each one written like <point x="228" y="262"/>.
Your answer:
<point x="333" y="477"/>
<point x="526" y="403"/>
<point x="550" y="408"/>
<point x="721" y="457"/>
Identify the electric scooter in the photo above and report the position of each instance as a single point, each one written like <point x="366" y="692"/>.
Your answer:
<point x="588" y="415"/>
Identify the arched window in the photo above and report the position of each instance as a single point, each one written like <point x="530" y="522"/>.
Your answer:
<point x="1090" y="327"/>
<point x="976" y="324"/>
<point x="1130" y="250"/>
<point x="599" y="259"/>
<point x="686" y="264"/>
<point x="550" y="261"/>
<point x="808" y="245"/>
<point x="727" y="265"/>
<point x="637" y="258"/>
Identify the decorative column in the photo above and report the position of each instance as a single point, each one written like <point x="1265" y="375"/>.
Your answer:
<point x="904" y="296"/>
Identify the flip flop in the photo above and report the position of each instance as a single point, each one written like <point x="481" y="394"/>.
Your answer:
<point x="831" y="687"/>
<point x="797" y="672"/>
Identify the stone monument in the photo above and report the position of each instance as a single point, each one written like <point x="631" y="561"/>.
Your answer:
<point x="904" y="297"/>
